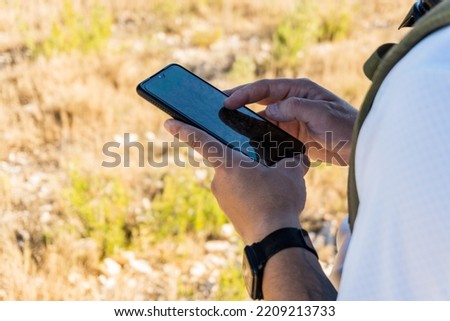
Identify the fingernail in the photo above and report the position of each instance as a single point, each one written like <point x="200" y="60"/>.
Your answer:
<point x="225" y="102"/>
<point x="169" y="125"/>
<point x="272" y="110"/>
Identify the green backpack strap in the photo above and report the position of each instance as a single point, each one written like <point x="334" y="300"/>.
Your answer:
<point x="377" y="68"/>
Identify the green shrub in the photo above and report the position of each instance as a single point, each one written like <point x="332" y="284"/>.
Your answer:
<point x="206" y="37"/>
<point x="185" y="206"/>
<point x="231" y="284"/>
<point x="167" y="9"/>
<point x="295" y="31"/>
<point x="335" y="23"/>
<point x="101" y="203"/>
<point x="76" y="31"/>
<point x="310" y="23"/>
<point x="243" y="69"/>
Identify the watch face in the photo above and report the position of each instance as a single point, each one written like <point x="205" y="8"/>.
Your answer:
<point x="252" y="273"/>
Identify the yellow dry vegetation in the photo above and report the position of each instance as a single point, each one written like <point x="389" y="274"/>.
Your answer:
<point x="74" y="229"/>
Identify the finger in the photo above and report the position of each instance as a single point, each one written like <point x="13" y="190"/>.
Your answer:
<point x="230" y="91"/>
<point x="295" y="108"/>
<point x="195" y="138"/>
<point x="268" y="91"/>
<point x="262" y="113"/>
<point x="262" y="91"/>
<point x="232" y="102"/>
<point x="216" y="153"/>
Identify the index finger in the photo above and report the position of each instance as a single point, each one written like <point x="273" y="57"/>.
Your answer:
<point x="215" y="152"/>
<point x="262" y="91"/>
<point x="269" y="91"/>
<point x="230" y="91"/>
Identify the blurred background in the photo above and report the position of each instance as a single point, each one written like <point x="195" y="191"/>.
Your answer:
<point x="72" y="229"/>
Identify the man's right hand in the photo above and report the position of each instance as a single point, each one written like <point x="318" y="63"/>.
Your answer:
<point x="317" y="117"/>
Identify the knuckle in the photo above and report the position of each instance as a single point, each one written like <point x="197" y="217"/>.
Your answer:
<point x="292" y="102"/>
<point x="289" y="105"/>
<point x="263" y="82"/>
<point x="306" y="82"/>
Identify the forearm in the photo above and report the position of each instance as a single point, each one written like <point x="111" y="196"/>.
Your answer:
<point x="295" y="274"/>
<point x="256" y="210"/>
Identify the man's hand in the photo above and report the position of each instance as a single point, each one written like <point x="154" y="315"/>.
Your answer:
<point x="257" y="199"/>
<point x="317" y="117"/>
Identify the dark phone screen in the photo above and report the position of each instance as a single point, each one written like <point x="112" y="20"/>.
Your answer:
<point x="201" y="103"/>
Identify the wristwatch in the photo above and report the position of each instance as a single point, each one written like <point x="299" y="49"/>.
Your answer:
<point x="257" y="255"/>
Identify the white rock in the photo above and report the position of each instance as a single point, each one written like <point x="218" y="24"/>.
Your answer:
<point x="217" y="246"/>
<point x="171" y="270"/>
<point x="112" y="268"/>
<point x="108" y="283"/>
<point x="150" y="136"/>
<point x="198" y="269"/>
<point x="74" y="278"/>
<point x="146" y="203"/>
<point x="35" y="179"/>
<point x="120" y="138"/>
<point x="141" y="266"/>
<point x="214" y="261"/>
<point x="227" y="230"/>
<point x="44" y="192"/>
<point x="46" y="208"/>
<point x="128" y="256"/>
<point x="45" y="217"/>
<point x="201" y="174"/>
<point x="132" y="283"/>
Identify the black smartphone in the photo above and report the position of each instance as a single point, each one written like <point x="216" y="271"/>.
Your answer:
<point x="186" y="97"/>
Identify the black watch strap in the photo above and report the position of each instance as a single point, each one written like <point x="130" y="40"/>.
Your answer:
<point x="279" y="240"/>
<point x="257" y="255"/>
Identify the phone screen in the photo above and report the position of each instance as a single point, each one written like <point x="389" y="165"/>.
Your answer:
<point x="194" y="100"/>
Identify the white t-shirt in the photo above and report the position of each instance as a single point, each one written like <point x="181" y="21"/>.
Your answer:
<point x="400" y="246"/>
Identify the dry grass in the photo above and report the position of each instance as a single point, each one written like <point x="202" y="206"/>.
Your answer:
<point x="58" y="110"/>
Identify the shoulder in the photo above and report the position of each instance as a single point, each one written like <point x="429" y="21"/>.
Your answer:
<point x="430" y="53"/>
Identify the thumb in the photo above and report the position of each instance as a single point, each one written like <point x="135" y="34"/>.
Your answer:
<point x="293" y="108"/>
